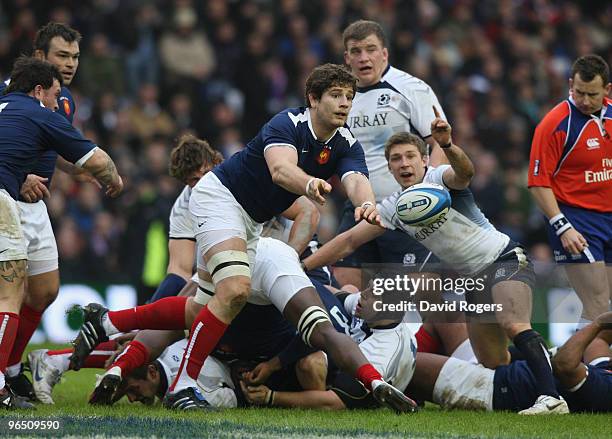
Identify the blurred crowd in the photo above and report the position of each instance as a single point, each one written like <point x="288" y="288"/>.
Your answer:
<point x="150" y="70"/>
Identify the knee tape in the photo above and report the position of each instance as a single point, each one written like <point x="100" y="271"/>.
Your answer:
<point x="309" y="319"/>
<point x="204" y="293"/>
<point x="227" y="264"/>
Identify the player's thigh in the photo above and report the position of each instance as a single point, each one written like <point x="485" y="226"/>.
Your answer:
<point x="39" y="237"/>
<point x="42" y="289"/>
<point x="489" y="342"/>
<point x="13" y="255"/>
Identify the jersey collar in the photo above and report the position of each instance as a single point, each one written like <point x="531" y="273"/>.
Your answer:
<point x="314" y="136"/>
<point x="374" y="86"/>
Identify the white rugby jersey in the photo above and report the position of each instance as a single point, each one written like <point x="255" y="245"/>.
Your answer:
<point x="399" y="102"/>
<point x="214" y="381"/>
<point x="181" y="224"/>
<point x="463" y="238"/>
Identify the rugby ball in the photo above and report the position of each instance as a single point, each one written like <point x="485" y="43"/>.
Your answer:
<point x="422" y="204"/>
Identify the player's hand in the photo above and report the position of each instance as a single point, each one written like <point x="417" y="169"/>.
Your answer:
<point x="260" y="373"/>
<point x="114" y="189"/>
<point x="257" y="395"/>
<point x="440" y="129"/>
<point x="33" y="188"/>
<point x="367" y="211"/>
<point x="316" y="189"/>
<point x="573" y="241"/>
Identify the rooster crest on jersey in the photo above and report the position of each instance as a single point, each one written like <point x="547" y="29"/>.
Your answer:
<point x="422" y="204"/>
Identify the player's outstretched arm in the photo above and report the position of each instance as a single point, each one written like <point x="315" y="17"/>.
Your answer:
<point x="321" y="399"/>
<point x="459" y="175"/>
<point x="567" y="362"/>
<point x="104" y="170"/>
<point x="342" y="245"/>
<point x="305" y="217"/>
<point x="282" y="164"/>
<point x="359" y="191"/>
<point x="78" y="174"/>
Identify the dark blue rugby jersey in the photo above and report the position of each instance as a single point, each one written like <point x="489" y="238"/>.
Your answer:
<point x="246" y="173"/>
<point x="27" y="130"/>
<point x="595" y="395"/>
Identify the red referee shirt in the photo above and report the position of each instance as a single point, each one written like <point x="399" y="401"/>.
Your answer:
<point x="571" y="153"/>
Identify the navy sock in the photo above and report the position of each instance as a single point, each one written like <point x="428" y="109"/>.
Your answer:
<point x="534" y="349"/>
<point x="170" y="286"/>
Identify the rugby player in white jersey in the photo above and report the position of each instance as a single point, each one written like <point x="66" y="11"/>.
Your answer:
<point x="387" y="101"/>
<point x="464" y="240"/>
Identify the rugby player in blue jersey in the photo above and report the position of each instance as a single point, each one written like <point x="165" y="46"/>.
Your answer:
<point x="29" y="127"/>
<point x="292" y="155"/>
<point x="57" y="44"/>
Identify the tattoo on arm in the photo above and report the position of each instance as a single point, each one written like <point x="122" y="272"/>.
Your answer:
<point x="12" y="270"/>
<point x="108" y="174"/>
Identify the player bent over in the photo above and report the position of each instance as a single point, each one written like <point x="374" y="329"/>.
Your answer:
<point x="468" y="243"/>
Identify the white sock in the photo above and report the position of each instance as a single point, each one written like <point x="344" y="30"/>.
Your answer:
<point x="108" y="326"/>
<point x="13" y="371"/>
<point x="115" y="370"/>
<point x="1" y="381"/>
<point x="376" y="383"/>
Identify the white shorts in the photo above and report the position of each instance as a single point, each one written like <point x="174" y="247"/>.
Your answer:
<point x="181" y="222"/>
<point x="276" y="275"/>
<point x="39" y="237"/>
<point x="391" y="352"/>
<point x="217" y="217"/>
<point x="462" y="385"/>
<point x="12" y="241"/>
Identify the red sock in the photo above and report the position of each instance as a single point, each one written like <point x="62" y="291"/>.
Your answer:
<point x="427" y="342"/>
<point x="206" y="332"/>
<point x="61" y="351"/>
<point x="29" y="319"/>
<point x="366" y="374"/>
<point x="100" y="354"/>
<point x="9" y="322"/>
<point x="167" y="313"/>
<point x="133" y="356"/>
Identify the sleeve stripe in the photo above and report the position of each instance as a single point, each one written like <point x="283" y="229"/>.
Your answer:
<point x="274" y="145"/>
<point x="86" y="157"/>
<point x="346" y="174"/>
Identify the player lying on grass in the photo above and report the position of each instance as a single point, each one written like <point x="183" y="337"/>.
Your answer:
<point x="385" y="341"/>
<point x="464" y="240"/>
<point x="582" y="368"/>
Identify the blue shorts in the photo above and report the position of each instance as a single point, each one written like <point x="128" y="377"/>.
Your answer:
<point x="596" y="227"/>
<point x="392" y="247"/>
<point x="514" y="387"/>
<point x="595" y="393"/>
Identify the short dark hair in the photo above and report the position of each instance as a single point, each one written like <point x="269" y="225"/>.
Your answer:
<point x="360" y="30"/>
<point x="45" y="34"/>
<point x="590" y="66"/>
<point x="405" y="138"/>
<point x="327" y="76"/>
<point x="29" y="72"/>
<point x="189" y="155"/>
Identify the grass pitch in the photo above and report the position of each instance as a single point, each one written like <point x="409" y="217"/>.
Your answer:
<point x="78" y="419"/>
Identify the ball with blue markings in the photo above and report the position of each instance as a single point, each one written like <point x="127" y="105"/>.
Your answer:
<point x="422" y="204"/>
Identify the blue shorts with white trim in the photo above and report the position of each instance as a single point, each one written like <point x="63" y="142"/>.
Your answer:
<point x="596" y="227"/>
